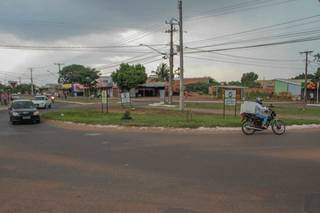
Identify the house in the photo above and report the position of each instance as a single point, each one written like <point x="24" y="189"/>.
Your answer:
<point x="150" y="89"/>
<point x="106" y="83"/>
<point x="289" y="87"/>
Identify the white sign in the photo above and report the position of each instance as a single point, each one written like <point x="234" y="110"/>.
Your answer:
<point x="104" y="96"/>
<point x="230" y="97"/>
<point x="162" y="95"/>
<point x="125" y="98"/>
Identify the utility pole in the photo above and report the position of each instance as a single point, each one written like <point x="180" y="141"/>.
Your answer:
<point x="181" y="101"/>
<point x="59" y="66"/>
<point x="172" y="29"/>
<point x="31" y="79"/>
<point x="307" y="53"/>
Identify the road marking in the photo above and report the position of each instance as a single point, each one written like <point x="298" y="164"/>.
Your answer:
<point x="92" y="134"/>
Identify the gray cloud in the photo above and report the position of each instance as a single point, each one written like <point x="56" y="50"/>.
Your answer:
<point x="55" y="19"/>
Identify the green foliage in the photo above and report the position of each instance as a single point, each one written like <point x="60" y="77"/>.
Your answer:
<point x="78" y="74"/>
<point x="302" y="76"/>
<point x="22" y="88"/>
<point x="316" y="76"/>
<point x="249" y="80"/>
<point x="165" y="118"/>
<point x="213" y="82"/>
<point x="234" y="83"/>
<point x="129" y="76"/>
<point x="127" y="115"/>
<point x="162" y="72"/>
<point x="4" y="88"/>
<point x="199" y="87"/>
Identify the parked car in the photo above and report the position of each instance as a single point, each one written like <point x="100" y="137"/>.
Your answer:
<point x="42" y="102"/>
<point x="23" y="111"/>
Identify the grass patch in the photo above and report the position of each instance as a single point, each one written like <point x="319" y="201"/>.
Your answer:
<point x="154" y="118"/>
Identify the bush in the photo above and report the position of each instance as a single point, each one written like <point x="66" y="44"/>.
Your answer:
<point x="127" y="115"/>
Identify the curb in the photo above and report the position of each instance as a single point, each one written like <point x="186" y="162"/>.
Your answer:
<point x="74" y="102"/>
<point x="202" y="130"/>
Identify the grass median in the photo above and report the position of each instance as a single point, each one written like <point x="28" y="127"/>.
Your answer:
<point x="154" y="118"/>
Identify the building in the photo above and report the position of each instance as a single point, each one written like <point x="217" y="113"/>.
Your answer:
<point x="288" y="87"/>
<point x="106" y="83"/>
<point x="150" y="89"/>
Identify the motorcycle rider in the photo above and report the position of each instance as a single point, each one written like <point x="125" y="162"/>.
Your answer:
<point x="261" y="112"/>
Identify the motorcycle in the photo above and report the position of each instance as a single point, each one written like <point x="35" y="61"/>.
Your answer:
<point x="252" y="124"/>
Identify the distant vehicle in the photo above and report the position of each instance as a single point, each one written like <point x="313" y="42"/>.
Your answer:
<point x="15" y="97"/>
<point x="51" y="97"/>
<point x="23" y="111"/>
<point x="42" y="102"/>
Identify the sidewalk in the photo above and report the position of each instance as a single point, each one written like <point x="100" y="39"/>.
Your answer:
<point x="74" y="102"/>
<point x="2" y="108"/>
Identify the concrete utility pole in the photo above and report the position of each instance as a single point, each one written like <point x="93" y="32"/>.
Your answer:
<point x="181" y="102"/>
<point x="31" y="79"/>
<point x="307" y="53"/>
<point x="172" y="29"/>
<point x="59" y="65"/>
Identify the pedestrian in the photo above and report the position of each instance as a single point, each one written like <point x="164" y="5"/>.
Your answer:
<point x="1" y="99"/>
<point x="5" y="99"/>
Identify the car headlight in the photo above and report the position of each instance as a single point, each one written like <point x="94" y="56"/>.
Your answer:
<point x="15" y="114"/>
<point x="36" y="113"/>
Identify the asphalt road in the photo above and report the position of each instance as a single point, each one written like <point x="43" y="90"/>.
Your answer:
<point x="45" y="168"/>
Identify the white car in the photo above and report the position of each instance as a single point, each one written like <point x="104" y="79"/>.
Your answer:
<point x="42" y="102"/>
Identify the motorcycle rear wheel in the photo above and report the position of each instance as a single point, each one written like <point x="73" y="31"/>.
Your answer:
<point x="246" y="130"/>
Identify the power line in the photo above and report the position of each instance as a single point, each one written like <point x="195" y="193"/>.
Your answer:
<point x="242" y="63"/>
<point x="279" y="36"/>
<point x="258" y="29"/>
<point x="240" y="8"/>
<point x="254" y="58"/>
<point x="314" y="38"/>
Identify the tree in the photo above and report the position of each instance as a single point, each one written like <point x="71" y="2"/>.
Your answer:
<point x="22" y="88"/>
<point x="78" y="74"/>
<point x="316" y="77"/>
<point x="129" y="76"/>
<point x="249" y="79"/>
<point x="162" y="72"/>
<point x="301" y="76"/>
<point x="234" y="83"/>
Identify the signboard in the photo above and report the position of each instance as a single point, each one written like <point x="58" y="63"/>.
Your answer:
<point x="230" y="97"/>
<point x="162" y="95"/>
<point x="104" y="96"/>
<point x="125" y="98"/>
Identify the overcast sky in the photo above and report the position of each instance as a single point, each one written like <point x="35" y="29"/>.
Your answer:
<point x="81" y="23"/>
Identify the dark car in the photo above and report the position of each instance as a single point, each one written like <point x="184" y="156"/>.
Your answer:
<point x="23" y="111"/>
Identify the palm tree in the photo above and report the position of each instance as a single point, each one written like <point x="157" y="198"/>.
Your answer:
<point x="162" y="72"/>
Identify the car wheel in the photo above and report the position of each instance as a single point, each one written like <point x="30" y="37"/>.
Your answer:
<point x="36" y="121"/>
<point x="13" y="122"/>
<point x="49" y="107"/>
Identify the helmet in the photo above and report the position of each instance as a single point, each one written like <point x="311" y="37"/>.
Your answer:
<point x="259" y="100"/>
